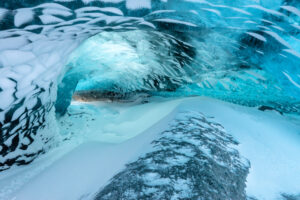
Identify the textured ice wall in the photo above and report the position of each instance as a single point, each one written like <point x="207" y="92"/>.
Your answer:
<point x="35" y="43"/>
<point x="36" y="38"/>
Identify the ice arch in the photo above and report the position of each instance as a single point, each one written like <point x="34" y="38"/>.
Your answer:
<point x="120" y="65"/>
<point x="37" y="37"/>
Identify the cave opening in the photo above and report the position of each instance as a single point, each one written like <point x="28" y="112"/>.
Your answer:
<point x="159" y="99"/>
<point x="121" y="66"/>
<point x="116" y="71"/>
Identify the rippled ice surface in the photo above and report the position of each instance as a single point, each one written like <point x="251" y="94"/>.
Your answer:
<point x="57" y="55"/>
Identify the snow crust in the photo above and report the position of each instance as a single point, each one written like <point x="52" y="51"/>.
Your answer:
<point x="23" y="16"/>
<point x="83" y="165"/>
<point x="270" y="142"/>
<point x="133" y="4"/>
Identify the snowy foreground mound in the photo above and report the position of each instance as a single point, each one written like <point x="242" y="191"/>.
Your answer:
<point x="191" y="148"/>
<point x="191" y="159"/>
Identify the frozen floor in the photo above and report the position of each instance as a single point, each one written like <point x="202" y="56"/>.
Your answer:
<point x="112" y="135"/>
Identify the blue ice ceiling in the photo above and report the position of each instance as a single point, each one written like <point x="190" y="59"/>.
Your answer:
<point x="247" y="52"/>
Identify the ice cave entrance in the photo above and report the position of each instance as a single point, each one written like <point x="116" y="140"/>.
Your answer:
<point x="96" y="71"/>
<point x="112" y="73"/>
<point x="124" y="66"/>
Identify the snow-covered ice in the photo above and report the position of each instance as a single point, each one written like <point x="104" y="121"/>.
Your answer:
<point x="82" y="165"/>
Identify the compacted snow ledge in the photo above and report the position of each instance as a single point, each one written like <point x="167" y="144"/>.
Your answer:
<point x="270" y="141"/>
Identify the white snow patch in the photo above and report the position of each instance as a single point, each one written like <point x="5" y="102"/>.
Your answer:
<point x="292" y="10"/>
<point x="52" y="5"/>
<point x="7" y="98"/>
<point x="217" y="12"/>
<point x="14" y="57"/>
<point x="278" y="38"/>
<point x="112" y="10"/>
<point x="13" y="43"/>
<point x="50" y="19"/>
<point x="174" y="21"/>
<point x="95" y="9"/>
<point x="23" y="16"/>
<point x="270" y="141"/>
<point x="293" y="52"/>
<point x="59" y="12"/>
<point x="89" y="166"/>
<point x="257" y="36"/>
<point x="140" y="4"/>
<point x="147" y="24"/>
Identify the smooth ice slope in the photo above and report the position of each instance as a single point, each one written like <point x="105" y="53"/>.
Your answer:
<point x="268" y="140"/>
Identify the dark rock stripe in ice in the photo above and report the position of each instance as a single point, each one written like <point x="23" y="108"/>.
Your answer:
<point x="194" y="159"/>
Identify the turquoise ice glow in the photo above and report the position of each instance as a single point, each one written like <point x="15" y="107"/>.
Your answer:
<point x="243" y="51"/>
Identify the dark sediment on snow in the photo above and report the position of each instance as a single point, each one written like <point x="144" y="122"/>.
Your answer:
<point x="194" y="159"/>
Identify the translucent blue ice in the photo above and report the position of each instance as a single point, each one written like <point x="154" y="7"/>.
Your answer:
<point x="242" y="51"/>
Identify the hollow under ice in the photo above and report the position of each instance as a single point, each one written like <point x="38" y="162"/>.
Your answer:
<point x="81" y="80"/>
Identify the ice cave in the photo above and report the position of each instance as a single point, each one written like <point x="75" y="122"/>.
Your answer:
<point x="149" y="100"/>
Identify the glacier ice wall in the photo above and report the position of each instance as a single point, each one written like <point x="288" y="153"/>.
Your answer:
<point x="244" y="51"/>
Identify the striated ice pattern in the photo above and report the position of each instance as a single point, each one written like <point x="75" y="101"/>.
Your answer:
<point x="55" y="52"/>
